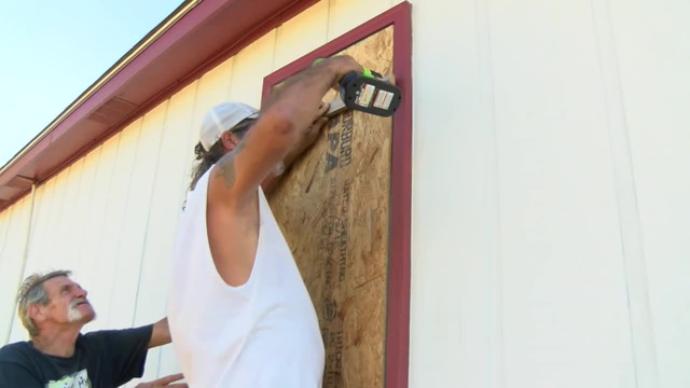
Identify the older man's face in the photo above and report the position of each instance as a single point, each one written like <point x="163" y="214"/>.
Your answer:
<point x="68" y="302"/>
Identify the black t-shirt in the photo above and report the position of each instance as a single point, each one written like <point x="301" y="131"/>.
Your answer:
<point x="102" y="359"/>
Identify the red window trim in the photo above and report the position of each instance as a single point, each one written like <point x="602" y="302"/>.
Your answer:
<point x="398" y="303"/>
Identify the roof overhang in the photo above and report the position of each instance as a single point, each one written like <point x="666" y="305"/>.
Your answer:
<point x="197" y="36"/>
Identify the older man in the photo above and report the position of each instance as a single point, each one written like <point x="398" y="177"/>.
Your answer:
<point x="54" y="308"/>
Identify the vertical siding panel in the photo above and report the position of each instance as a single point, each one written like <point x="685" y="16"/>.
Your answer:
<point x="47" y="209"/>
<point x="87" y="228"/>
<point x="527" y="76"/>
<point x="301" y="34"/>
<point x="115" y="227"/>
<point x="94" y="268"/>
<point x="169" y="189"/>
<point x="68" y="236"/>
<point x="8" y="276"/>
<point x="43" y="193"/>
<point x="634" y="272"/>
<point x="55" y="243"/>
<point x="559" y="231"/>
<point x="41" y="211"/>
<point x="76" y="215"/>
<point x="249" y="68"/>
<point x="43" y="254"/>
<point x="56" y="255"/>
<point x="651" y="44"/>
<point x="11" y="267"/>
<point x="214" y="87"/>
<point x="5" y="218"/>
<point x="5" y="227"/>
<point x="136" y="214"/>
<point x="344" y="15"/>
<point x="455" y="328"/>
<point x="135" y="220"/>
<point x="139" y="202"/>
<point x="47" y="256"/>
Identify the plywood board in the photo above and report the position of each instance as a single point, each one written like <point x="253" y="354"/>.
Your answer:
<point x="333" y="208"/>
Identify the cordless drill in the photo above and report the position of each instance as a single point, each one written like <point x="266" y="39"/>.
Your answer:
<point x="366" y="91"/>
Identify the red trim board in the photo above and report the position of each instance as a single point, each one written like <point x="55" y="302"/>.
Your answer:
<point x="398" y="304"/>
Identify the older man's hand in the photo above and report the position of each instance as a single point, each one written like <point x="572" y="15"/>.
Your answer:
<point x="164" y="382"/>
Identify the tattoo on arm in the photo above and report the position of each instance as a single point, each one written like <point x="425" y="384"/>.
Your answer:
<point x="226" y="166"/>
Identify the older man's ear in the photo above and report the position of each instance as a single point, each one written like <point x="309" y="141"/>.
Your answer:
<point x="36" y="313"/>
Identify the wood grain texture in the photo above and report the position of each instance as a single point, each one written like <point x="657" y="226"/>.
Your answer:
<point x="333" y="208"/>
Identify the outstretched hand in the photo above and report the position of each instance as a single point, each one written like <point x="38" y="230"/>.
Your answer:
<point x="165" y="381"/>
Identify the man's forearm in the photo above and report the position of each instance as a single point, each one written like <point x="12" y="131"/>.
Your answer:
<point x="282" y="127"/>
<point x="160" y="335"/>
<point x="303" y="93"/>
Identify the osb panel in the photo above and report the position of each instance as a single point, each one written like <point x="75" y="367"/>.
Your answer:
<point x="333" y="209"/>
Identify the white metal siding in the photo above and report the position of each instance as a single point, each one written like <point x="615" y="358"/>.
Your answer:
<point x="550" y="177"/>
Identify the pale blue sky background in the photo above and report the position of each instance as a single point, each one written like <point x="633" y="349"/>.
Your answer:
<point x="53" y="50"/>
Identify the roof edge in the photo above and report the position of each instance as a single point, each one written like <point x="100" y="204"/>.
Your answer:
<point x="66" y="139"/>
<point x="128" y="57"/>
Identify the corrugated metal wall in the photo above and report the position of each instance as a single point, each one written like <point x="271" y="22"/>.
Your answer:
<point x="550" y="220"/>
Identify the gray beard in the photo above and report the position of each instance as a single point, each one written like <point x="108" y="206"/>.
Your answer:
<point x="73" y="313"/>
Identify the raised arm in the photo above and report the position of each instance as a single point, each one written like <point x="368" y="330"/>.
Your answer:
<point x="232" y="211"/>
<point x="281" y="126"/>
<point x="308" y="139"/>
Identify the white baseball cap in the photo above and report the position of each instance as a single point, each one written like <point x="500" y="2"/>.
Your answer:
<point x="221" y="118"/>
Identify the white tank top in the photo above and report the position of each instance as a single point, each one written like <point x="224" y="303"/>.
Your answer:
<point x="263" y="334"/>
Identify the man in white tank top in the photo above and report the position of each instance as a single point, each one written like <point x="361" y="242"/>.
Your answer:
<point x="239" y="313"/>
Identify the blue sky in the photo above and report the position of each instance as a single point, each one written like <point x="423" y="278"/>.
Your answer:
<point x="53" y="50"/>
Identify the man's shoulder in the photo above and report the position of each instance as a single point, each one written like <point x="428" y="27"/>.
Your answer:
<point x="97" y="339"/>
<point x="20" y="365"/>
<point x="112" y="337"/>
<point x="114" y="332"/>
<point x="15" y="352"/>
